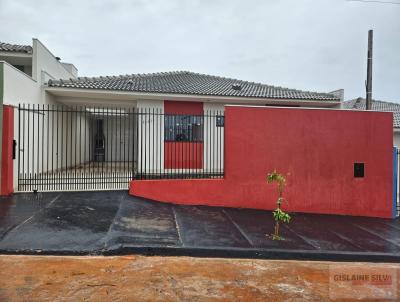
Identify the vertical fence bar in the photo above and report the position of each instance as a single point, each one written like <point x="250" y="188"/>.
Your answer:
<point x="108" y="146"/>
<point x="217" y="144"/>
<point x="85" y="148"/>
<point x="116" y="146"/>
<point x="152" y="154"/>
<point x="74" y="143"/>
<point x="160" y="141"/>
<point x="164" y="118"/>
<point x="102" y="181"/>
<point x="119" y="145"/>
<point x="88" y="147"/>
<point x="80" y="187"/>
<point x="182" y="145"/>
<point x="194" y="147"/>
<point x="40" y="186"/>
<point x="61" y="146"/>
<point x="47" y="148"/>
<point x="122" y="173"/>
<point x="146" y="141"/>
<point x="165" y="141"/>
<point x="220" y="144"/>
<point x="138" y="144"/>
<point x="19" y="147"/>
<point x="33" y="145"/>
<point x="51" y="149"/>
<point x="53" y="127"/>
<point x="127" y="173"/>
<point x="122" y="148"/>
<point x="65" y="145"/>
<point x="209" y="143"/>
<point x="117" y="150"/>
<point x="57" y="136"/>
<point x="37" y="170"/>
<point x="174" y="168"/>
<point x="97" y="164"/>
<point x="135" y="143"/>
<point x="29" y="174"/>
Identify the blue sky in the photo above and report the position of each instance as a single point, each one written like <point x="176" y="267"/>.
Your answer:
<point x="318" y="45"/>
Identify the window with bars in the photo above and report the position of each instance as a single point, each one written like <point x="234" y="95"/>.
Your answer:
<point x="185" y="128"/>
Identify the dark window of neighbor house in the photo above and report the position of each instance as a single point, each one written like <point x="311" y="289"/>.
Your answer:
<point x="358" y="170"/>
<point x="184" y="128"/>
<point x="20" y="67"/>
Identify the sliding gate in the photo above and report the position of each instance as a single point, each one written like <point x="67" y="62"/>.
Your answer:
<point x="83" y="148"/>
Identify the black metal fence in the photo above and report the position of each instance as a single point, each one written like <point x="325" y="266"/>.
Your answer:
<point x="86" y="148"/>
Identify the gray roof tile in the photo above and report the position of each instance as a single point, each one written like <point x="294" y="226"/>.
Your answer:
<point x="359" y="104"/>
<point x="15" y="48"/>
<point x="185" y="82"/>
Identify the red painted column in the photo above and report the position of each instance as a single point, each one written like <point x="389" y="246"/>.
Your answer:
<point x="7" y="152"/>
<point x="179" y="154"/>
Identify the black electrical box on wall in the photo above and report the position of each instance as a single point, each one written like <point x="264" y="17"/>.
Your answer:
<point x="358" y="169"/>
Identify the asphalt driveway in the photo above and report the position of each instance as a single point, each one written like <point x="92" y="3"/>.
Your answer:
<point x="112" y="222"/>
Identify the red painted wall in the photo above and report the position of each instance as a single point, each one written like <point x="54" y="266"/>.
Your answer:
<point x="183" y="155"/>
<point x="7" y="143"/>
<point x="316" y="149"/>
<point x="176" y="107"/>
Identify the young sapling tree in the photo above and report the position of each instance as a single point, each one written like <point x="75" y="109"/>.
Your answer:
<point x="279" y="215"/>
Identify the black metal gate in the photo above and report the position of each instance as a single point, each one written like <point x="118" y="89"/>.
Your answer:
<point x="86" y="148"/>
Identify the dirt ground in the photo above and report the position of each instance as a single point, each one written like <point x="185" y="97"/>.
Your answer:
<point x="140" y="278"/>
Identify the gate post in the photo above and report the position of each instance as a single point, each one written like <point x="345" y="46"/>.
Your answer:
<point x="6" y="184"/>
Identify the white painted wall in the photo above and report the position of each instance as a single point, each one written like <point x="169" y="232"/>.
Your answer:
<point x="18" y="87"/>
<point x="213" y="136"/>
<point x="396" y="138"/>
<point x="150" y="147"/>
<point x="46" y="66"/>
<point x="119" y="138"/>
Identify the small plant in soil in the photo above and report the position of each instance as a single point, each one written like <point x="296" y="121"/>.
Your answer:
<point x="279" y="215"/>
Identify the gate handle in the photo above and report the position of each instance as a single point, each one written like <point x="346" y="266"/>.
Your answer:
<point x="14" y="151"/>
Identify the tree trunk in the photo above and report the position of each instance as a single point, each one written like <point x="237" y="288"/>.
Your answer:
<point x="277" y="228"/>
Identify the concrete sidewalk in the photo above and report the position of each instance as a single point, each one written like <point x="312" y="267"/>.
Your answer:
<point x="109" y="223"/>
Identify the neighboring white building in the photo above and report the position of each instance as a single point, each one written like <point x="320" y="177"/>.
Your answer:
<point x="25" y="71"/>
<point x="359" y="104"/>
<point x="190" y="104"/>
